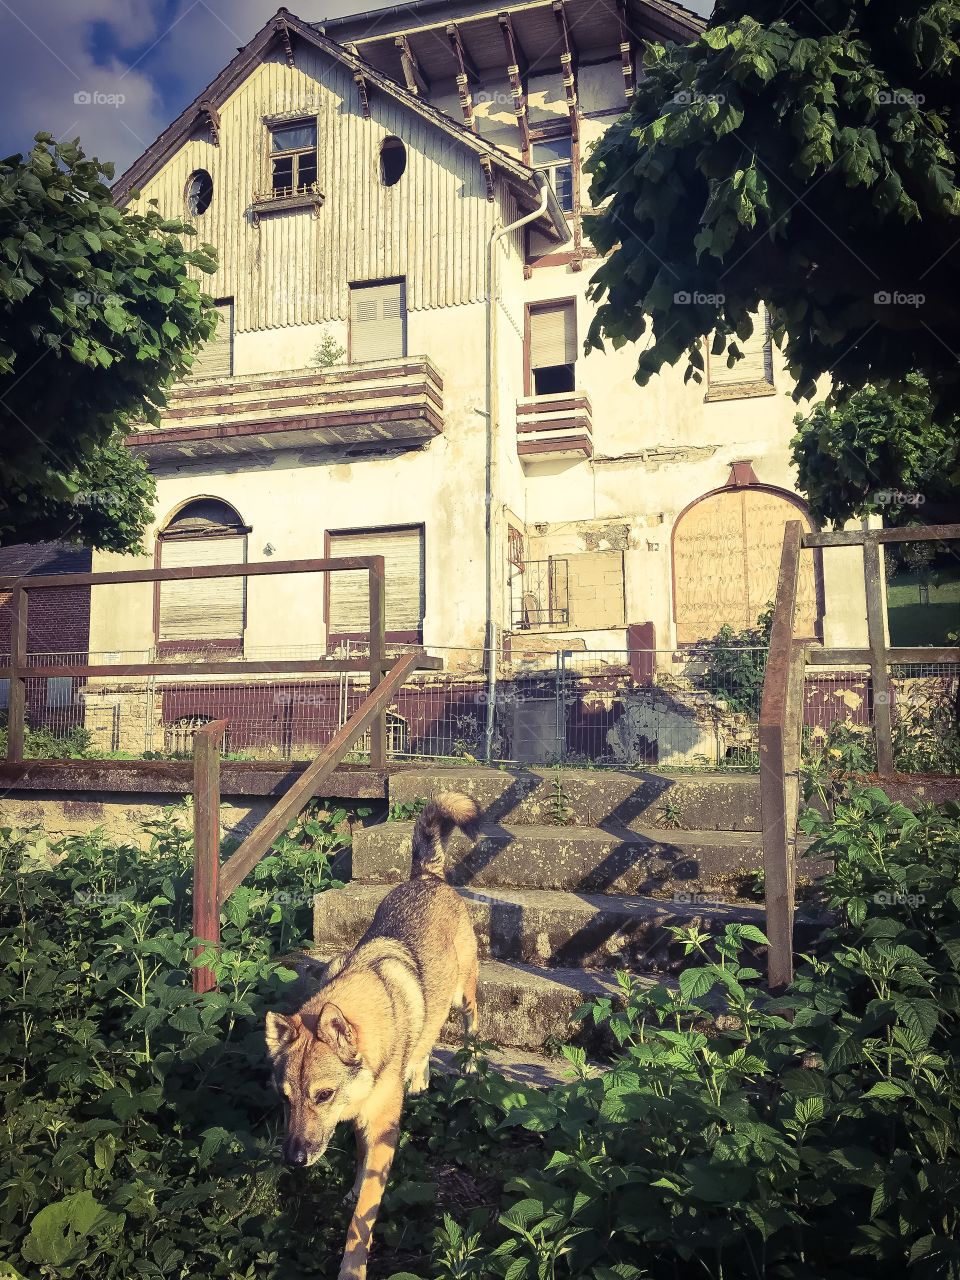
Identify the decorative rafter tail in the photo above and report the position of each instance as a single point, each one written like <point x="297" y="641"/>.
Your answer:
<point x="569" y="61"/>
<point x="212" y="116"/>
<point x="463" y="77"/>
<point x="515" y="72"/>
<point x="417" y="82"/>
<point x="361" y="82"/>
<point x="628" y="51"/>
<point x="283" y="31"/>
<point x="486" y="164"/>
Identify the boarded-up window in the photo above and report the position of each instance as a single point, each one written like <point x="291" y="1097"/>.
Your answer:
<point x="378" y="321"/>
<point x="757" y="362"/>
<point x="204" y="532"/>
<point x="210" y="608"/>
<point x="726" y="561"/>
<point x="553" y="348"/>
<point x="215" y="358"/>
<point x="402" y="551"/>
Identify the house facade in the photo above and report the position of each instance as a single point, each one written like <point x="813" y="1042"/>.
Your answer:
<point x="397" y="201"/>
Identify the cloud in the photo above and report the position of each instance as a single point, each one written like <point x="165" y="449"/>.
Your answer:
<point x="56" y="78"/>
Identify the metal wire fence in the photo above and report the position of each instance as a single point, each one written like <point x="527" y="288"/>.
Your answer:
<point x="694" y="708"/>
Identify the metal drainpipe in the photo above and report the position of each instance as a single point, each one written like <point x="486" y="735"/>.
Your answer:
<point x="492" y="416"/>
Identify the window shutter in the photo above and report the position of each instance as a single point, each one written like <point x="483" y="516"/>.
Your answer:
<point x="402" y="551"/>
<point x="553" y="336"/>
<point x="378" y="315"/>
<point x="215" y="358"/>
<point x="211" y="608"/>
<point x="757" y="362"/>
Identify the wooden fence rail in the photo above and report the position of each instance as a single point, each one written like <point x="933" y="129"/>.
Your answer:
<point x="22" y="667"/>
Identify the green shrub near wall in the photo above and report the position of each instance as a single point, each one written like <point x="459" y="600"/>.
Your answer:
<point x="817" y="1135"/>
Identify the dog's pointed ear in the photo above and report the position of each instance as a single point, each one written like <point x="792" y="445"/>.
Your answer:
<point x="281" y="1032"/>
<point x="339" y="1033"/>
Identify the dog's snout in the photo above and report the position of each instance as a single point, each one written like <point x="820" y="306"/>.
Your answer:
<point x="295" y="1153"/>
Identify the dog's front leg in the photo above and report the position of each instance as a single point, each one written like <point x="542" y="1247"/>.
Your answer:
<point x="353" y="1195"/>
<point x="381" y="1143"/>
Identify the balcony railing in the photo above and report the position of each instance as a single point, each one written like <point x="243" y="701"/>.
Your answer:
<point x="365" y="407"/>
<point x="555" y="427"/>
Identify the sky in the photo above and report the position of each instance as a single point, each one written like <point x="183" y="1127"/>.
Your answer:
<point x="115" y="73"/>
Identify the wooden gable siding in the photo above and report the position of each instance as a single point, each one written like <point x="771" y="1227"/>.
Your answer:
<point x="294" y="267"/>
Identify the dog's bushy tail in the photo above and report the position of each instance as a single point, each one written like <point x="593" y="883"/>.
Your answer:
<point x="433" y="827"/>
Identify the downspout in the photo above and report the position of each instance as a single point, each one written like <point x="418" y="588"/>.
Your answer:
<point x="492" y="416"/>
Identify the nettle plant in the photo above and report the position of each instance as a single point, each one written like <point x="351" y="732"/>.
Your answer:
<point x="814" y="1133"/>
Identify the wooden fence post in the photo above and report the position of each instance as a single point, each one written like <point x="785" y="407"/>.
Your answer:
<point x="378" y="622"/>
<point x="879" y="671"/>
<point x="778" y="744"/>
<point x="206" y="844"/>
<point x="17" y="701"/>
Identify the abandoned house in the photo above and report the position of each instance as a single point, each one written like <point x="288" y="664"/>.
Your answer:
<point x="397" y="201"/>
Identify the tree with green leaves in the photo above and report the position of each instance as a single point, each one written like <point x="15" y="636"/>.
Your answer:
<point x="100" y="311"/>
<point x="803" y="156"/>
<point x="879" y="451"/>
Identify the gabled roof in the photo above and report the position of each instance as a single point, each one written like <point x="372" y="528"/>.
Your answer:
<point x="285" y="27"/>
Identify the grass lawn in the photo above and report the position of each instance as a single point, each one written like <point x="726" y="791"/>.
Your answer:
<point x="913" y="623"/>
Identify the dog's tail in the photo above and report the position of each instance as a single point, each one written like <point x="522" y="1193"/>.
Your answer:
<point x="433" y="827"/>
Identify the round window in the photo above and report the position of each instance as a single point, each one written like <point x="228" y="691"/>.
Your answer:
<point x="199" y="192"/>
<point x="393" y="161"/>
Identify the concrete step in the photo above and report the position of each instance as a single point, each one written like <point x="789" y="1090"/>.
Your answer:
<point x="546" y="927"/>
<point x="521" y="1066"/>
<point x="611" y="860"/>
<point x="592" y="797"/>
<point x="521" y="1006"/>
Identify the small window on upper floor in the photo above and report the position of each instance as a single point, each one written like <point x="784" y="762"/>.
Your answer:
<point x="378" y="321"/>
<point x="393" y="161"/>
<point x="199" y="193"/>
<point x="553" y="348"/>
<point x="293" y="157"/>
<point x="554" y="157"/>
<point x="755" y="370"/>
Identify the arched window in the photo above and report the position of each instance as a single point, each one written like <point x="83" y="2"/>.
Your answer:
<point x="393" y="161"/>
<point x="208" y="612"/>
<point x="199" y="192"/>
<point x="726" y="561"/>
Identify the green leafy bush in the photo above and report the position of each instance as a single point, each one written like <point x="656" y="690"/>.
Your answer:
<point x="808" y="1136"/>
<point x="734" y="663"/>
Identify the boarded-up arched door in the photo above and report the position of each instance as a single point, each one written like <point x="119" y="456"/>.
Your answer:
<point x="726" y="560"/>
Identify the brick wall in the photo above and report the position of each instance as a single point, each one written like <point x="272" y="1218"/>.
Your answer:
<point x="58" y="621"/>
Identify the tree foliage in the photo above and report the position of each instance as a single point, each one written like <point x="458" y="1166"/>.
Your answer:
<point x="879" y="451"/>
<point x="99" y="312"/>
<point x="800" y="155"/>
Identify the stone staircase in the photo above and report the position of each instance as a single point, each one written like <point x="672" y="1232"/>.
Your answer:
<point x="576" y="873"/>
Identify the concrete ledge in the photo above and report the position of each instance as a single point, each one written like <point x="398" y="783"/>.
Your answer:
<point x="585" y="858"/>
<point x="592" y="797"/>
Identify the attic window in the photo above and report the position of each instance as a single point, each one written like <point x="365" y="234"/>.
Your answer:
<point x="293" y="157"/>
<point x="199" y="192"/>
<point x="393" y="161"/>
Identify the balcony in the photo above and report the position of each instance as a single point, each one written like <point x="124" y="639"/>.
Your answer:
<point x="361" y="408"/>
<point x="554" y="428"/>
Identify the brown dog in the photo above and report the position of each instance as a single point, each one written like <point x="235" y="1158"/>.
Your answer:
<point x="350" y="1050"/>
